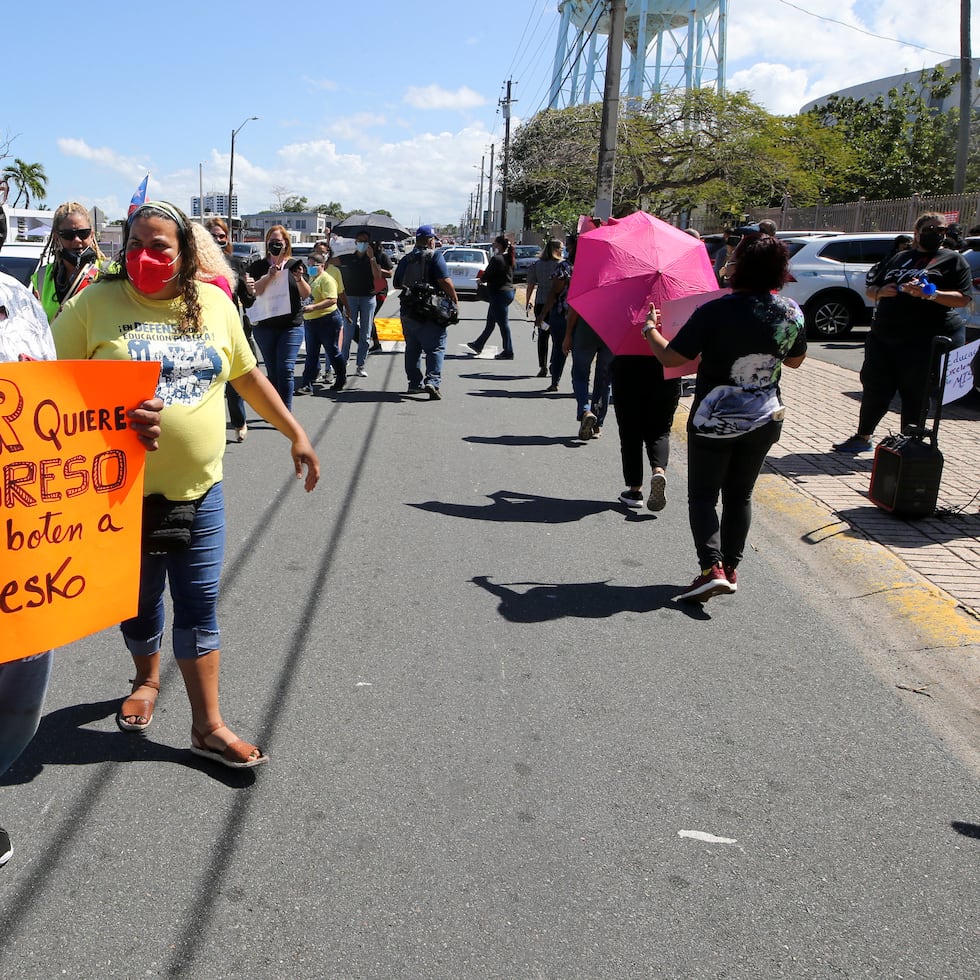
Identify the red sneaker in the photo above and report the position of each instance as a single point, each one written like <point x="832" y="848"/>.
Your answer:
<point x="711" y="582"/>
<point x="732" y="576"/>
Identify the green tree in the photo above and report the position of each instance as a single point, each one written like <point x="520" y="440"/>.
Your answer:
<point x="29" y="179"/>
<point x="295" y="203"/>
<point x="900" y="143"/>
<point x="334" y="208"/>
<point x="674" y="151"/>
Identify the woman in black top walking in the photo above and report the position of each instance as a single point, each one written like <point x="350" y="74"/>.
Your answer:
<point x="499" y="279"/>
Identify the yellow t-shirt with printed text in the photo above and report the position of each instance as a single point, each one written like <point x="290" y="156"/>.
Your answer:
<point x="112" y="321"/>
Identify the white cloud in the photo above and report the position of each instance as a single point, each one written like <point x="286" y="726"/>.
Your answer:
<point x="355" y="127"/>
<point x="104" y="157"/>
<point x="436" y="97"/>
<point x="323" y="84"/>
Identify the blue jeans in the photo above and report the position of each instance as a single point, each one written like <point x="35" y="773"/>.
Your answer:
<point x="324" y="332"/>
<point x="23" y="684"/>
<point x="587" y="346"/>
<point x="362" y="320"/>
<point x="236" y="406"/>
<point x="279" y="351"/>
<point x="497" y="315"/>
<point x="194" y="576"/>
<point x="556" y="330"/>
<point x="425" y="338"/>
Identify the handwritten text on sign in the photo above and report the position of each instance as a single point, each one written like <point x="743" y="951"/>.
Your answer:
<point x="71" y="496"/>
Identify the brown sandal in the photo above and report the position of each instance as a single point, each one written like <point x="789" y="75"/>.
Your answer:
<point x="137" y="707"/>
<point x="235" y="755"/>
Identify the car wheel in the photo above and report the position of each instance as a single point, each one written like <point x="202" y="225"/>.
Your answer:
<point x="831" y="316"/>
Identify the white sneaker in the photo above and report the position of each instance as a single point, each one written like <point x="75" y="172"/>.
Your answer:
<point x="361" y="373"/>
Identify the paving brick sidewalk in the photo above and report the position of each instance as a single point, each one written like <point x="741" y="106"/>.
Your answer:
<point x="822" y="405"/>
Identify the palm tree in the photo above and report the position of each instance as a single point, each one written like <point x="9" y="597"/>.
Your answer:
<point x="29" y="179"/>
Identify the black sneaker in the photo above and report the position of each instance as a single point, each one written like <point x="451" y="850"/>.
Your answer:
<point x="587" y="426"/>
<point x="632" y="498"/>
<point x="658" y="492"/>
<point x="504" y="355"/>
<point x="854" y="445"/>
<point x="473" y="349"/>
<point x="6" y="848"/>
<point x="415" y="390"/>
<point x="304" y="390"/>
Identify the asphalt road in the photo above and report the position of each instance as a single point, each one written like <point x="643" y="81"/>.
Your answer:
<point x="499" y="747"/>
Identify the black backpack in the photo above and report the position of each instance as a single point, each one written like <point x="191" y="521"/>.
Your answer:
<point x="419" y="297"/>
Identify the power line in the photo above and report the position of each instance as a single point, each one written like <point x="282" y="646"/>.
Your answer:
<point x="861" y="30"/>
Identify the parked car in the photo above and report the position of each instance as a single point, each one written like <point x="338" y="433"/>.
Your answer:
<point x="524" y="257"/>
<point x="466" y="265"/>
<point x="827" y="279"/>
<point x="249" y="251"/>
<point x="19" y="259"/>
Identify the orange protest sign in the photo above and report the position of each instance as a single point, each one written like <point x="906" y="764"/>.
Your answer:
<point x="71" y="499"/>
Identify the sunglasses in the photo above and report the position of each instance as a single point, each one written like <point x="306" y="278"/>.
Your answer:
<point x="220" y="239"/>
<point x="70" y="233"/>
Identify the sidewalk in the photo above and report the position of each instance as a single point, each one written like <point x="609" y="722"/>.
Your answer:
<point x="822" y="405"/>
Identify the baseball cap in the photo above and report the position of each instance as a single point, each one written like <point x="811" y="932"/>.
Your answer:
<point x="425" y="231"/>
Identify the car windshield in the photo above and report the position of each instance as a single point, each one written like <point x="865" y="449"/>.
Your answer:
<point x="21" y="267"/>
<point x="464" y="255"/>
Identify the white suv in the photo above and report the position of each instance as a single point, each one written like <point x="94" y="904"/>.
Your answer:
<point x="827" y="279"/>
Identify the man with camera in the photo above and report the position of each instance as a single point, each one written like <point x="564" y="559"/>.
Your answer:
<point x="428" y="305"/>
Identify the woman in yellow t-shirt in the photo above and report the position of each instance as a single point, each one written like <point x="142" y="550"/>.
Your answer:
<point x="154" y="308"/>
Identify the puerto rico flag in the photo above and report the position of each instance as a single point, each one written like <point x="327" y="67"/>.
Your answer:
<point x="139" y="197"/>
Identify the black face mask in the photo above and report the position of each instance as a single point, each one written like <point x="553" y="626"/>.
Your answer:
<point x="73" y="255"/>
<point x="732" y="240"/>
<point x="930" y="240"/>
<point x="276" y="248"/>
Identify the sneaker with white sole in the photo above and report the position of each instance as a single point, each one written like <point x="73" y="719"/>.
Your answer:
<point x="6" y="848"/>
<point x="732" y="576"/>
<point x="853" y="446"/>
<point x="658" y="492"/>
<point x="361" y="373"/>
<point x="632" y="498"/>
<point x="711" y="582"/>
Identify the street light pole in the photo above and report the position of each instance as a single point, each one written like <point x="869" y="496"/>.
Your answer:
<point x="231" y="176"/>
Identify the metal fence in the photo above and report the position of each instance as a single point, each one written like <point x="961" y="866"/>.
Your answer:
<point x="861" y="215"/>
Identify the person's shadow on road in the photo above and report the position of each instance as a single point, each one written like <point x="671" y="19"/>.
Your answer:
<point x="543" y="603"/>
<point x="511" y="506"/>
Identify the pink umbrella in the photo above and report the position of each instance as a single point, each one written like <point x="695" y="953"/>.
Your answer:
<point x="629" y="263"/>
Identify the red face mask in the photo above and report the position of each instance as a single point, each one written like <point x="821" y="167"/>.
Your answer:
<point x="149" y="270"/>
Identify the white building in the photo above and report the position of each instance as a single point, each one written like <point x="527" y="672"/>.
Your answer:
<point x="216" y="204"/>
<point x="882" y="86"/>
<point x="303" y="226"/>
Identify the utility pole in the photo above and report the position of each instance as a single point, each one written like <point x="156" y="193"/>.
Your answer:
<point x="606" y="172"/>
<point x="490" y="191"/>
<point x="503" y="184"/>
<point x="479" y="203"/>
<point x="966" y="99"/>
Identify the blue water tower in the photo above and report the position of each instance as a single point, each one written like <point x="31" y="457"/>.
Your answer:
<point x="673" y="44"/>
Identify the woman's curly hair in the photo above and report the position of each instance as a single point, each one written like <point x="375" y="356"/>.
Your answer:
<point x="192" y="318"/>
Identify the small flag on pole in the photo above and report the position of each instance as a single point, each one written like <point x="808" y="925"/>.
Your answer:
<point x="139" y="197"/>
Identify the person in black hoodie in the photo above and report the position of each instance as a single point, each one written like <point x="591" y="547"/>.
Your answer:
<point x="499" y="279"/>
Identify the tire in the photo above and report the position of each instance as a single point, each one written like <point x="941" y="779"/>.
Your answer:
<point x="829" y="316"/>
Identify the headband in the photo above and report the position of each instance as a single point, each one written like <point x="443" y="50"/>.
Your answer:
<point x="159" y="207"/>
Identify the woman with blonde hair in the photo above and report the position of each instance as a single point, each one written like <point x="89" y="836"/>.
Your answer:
<point x="277" y="314"/>
<point x="243" y="296"/>
<point x="70" y="260"/>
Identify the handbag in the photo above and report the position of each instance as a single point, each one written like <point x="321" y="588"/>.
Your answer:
<point x="167" y="523"/>
<point x="483" y="292"/>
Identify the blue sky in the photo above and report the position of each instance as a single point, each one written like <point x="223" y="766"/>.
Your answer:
<point x="375" y="105"/>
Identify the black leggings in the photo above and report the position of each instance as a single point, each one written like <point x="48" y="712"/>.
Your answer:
<point x="728" y="467"/>
<point x="895" y="366"/>
<point x="645" y="405"/>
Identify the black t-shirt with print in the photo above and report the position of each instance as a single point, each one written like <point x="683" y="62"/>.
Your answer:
<point x="356" y="270"/>
<point x="905" y="317"/>
<point x="742" y="339"/>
